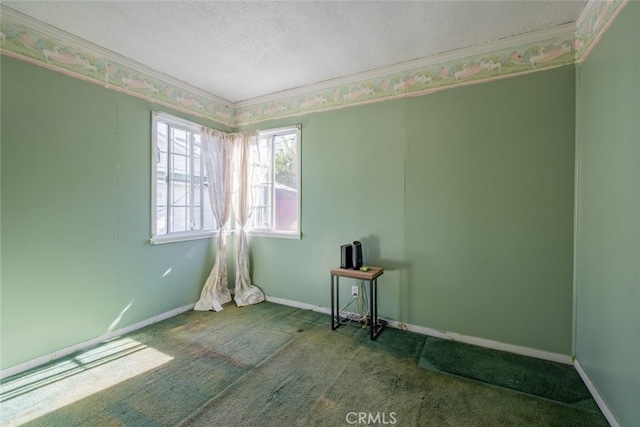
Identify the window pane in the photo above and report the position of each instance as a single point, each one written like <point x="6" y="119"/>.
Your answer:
<point x="178" y="193"/>
<point x="179" y="167"/>
<point x="262" y="168"/>
<point x="161" y="207"/>
<point x="286" y="185"/>
<point x="263" y="162"/>
<point x="161" y="220"/>
<point x="286" y="209"/>
<point x="197" y="220"/>
<point x="180" y="196"/>
<point x="161" y="149"/>
<point x="285" y="147"/>
<point x="179" y="141"/>
<point x="161" y="165"/>
<point x="179" y="219"/>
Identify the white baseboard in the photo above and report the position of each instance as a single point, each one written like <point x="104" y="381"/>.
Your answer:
<point x="297" y="304"/>
<point x="596" y="395"/>
<point x="496" y="345"/>
<point x="80" y="346"/>
<point x="482" y="342"/>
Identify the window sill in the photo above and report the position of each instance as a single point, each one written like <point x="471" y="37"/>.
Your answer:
<point x="182" y="237"/>
<point x="185" y="237"/>
<point x="294" y="235"/>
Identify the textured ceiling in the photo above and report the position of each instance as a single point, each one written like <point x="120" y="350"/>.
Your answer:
<point x="240" y="50"/>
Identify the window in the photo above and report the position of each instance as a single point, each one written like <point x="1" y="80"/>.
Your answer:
<point x="181" y="209"/>
<point x="276" y="166"/>
<point x="180" y="200"/>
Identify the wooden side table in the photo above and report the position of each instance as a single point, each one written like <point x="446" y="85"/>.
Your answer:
<point x="371" y="276"/>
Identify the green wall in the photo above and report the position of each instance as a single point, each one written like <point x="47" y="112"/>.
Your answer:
<point x="489" y="210"/>
<point x="352" y="189"/>
<point x="76" y="216"/>
<point x="607" y="279"/>
<point x="465" y="197"/>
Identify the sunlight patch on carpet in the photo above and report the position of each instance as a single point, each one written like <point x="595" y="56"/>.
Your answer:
<point x="39" y="392"/>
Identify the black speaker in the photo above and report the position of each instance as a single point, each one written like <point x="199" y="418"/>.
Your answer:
<point x="346" y="256"/>
<point x="357" y="255"/>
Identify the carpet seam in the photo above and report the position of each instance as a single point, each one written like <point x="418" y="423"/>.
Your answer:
<point x="196" y="411"/>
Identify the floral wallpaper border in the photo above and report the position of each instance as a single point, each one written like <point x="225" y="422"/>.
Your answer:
<point x="77" y="58"/>
<point x="595" y="19"/>
<point x="514" y="60"/>
<point x="24" y="38"/>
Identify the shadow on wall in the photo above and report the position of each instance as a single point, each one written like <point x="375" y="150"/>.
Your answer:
<point x="371" y="256"/>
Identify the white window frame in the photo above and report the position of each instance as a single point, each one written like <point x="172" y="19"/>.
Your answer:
<point x="272" y="232"/>
<point x="170" y="237"/>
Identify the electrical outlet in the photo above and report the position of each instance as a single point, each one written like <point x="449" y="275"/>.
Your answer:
<point x="354" y="291"/>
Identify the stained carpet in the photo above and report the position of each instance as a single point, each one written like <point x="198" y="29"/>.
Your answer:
<point x="272" y="365"/>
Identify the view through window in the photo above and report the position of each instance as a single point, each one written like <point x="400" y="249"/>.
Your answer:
<point x="181" y="200"/>
<point x="181" y="206"/>
<point x="277" y="189"/>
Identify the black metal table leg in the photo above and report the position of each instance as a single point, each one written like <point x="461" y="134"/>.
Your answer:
<point x="335" y="302"/>
<point x="375" y="327"/>
<point x="374" y="304"/>
<point x="332" y="306"/>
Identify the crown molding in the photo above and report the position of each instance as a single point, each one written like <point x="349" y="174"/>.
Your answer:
<point x="536" y="51"/>
<point x="26" y="38"/>
<point x="593" y="22"/>
<point x="33" y="41"/>
<point x="504" y="58"/>
<point x="420" y="63"/>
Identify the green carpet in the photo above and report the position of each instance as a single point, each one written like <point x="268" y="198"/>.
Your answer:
<point x="542" y="378"/>
<point x="272" y="365"/>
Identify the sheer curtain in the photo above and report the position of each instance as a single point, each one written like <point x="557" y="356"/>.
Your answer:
<point x="217" y="151"/>
<point x="246" y="146"/>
